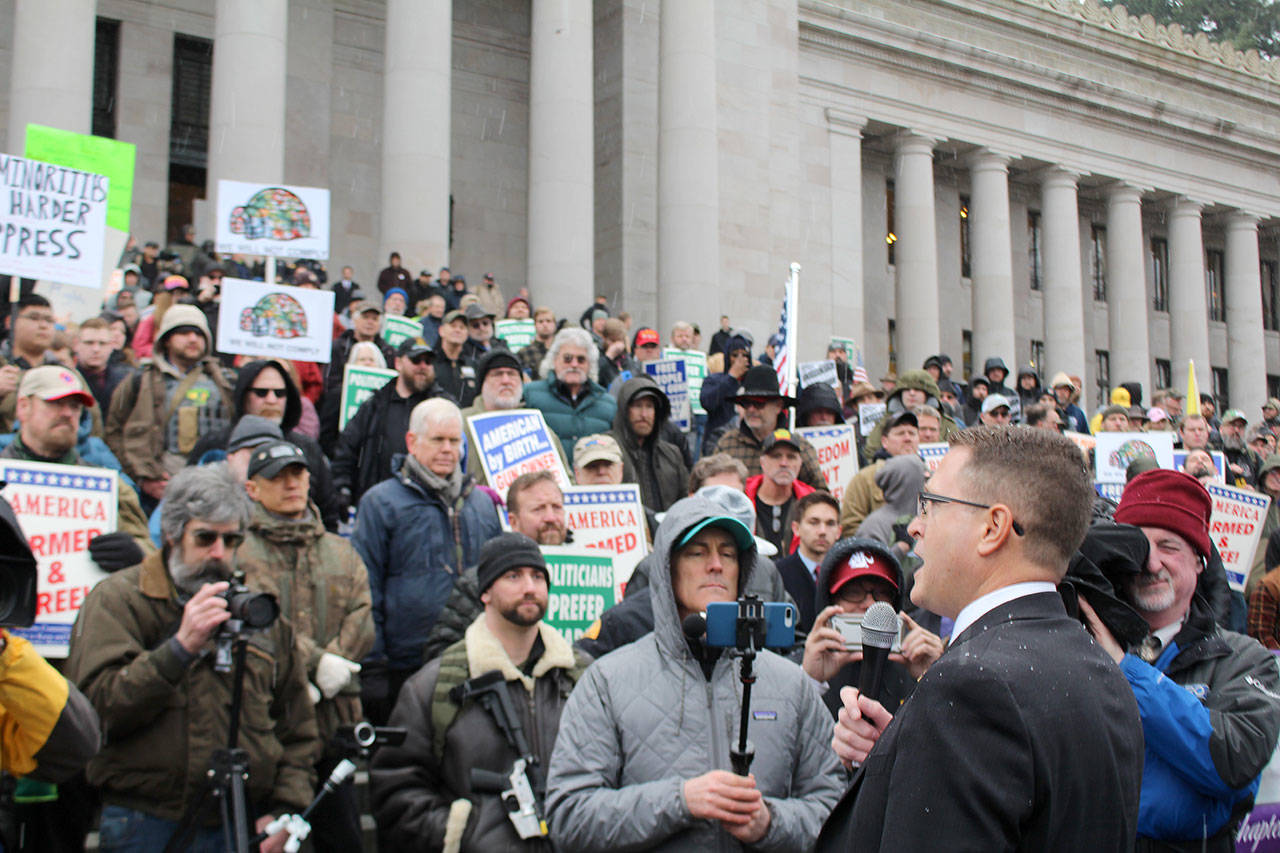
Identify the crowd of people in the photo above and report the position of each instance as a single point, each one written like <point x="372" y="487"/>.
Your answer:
<point x="1071" y="672"/>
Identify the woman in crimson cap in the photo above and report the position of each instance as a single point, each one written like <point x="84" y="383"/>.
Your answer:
<point x="855" y="574"/>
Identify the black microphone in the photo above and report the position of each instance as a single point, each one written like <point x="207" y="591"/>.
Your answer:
<point x="880" y="628"/>
<point x="694" y="626"/>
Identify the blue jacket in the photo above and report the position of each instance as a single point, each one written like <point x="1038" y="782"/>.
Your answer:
<point x="1210" y="719"/>
<point x="406" y="536"/>
<point x="718" y="390"/>
<point x="1077" y="420"/>
<point x="592" y="413"/>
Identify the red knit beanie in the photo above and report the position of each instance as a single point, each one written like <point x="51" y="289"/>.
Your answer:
<point x="1169" y="500"/>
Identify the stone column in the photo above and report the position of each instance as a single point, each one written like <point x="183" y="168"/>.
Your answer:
<point x="561" y="218"/>
<point x="1188" y="302"/>
<point x="919" y="328"/>
<point x="417" y="93"/>
<point x="847" y="312"/>
<point x="1246" y="347"/>
<point x="688" y="166"/>
<point x="1128" y="308"/>
<point x="1063" y="279"/>
<point x="51" y="73"/>
<point x="991" y="258"/>
<point x="247" y="102"/>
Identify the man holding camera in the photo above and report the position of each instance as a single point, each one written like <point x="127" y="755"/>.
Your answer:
<point x="426" y="792"/>
<point x="323" y="589"/>
<point x="144" y="651"/>
<point x="642" y="758"/>
<point x="1021" y="736"/>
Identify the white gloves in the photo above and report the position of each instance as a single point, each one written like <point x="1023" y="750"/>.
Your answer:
<point x="333" y="673"/>
<point x="313" y="693"/>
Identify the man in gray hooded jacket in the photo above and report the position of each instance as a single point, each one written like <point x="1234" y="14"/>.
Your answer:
<point x="642" y="758"/>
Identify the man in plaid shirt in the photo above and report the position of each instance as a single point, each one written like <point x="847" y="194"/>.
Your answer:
<point x="762" y="407"/>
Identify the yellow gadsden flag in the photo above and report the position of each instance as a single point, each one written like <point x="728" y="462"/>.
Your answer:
<point x="1193" y="393"/>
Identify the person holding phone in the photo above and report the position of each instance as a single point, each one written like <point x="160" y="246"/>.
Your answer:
<point x="855" y="574"/>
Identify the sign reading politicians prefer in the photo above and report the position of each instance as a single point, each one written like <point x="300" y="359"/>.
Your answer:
<point x="60" y="508"/>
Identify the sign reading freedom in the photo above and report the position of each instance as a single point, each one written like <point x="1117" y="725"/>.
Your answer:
<point x="60" y="508"/>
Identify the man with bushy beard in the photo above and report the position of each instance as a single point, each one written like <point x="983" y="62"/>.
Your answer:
<point x="424" y="792"/>
<point x="143" y="650"/>
<point x="1243" y="463"/>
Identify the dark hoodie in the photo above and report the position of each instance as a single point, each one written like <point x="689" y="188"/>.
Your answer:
<point x="1029" y="397"/>
<point x="816" y="398"/>
<point x="655" y="464"/>
<point x="898" y="682"/>
<point x="322" y="491"/>
<point x="997" y="387"/>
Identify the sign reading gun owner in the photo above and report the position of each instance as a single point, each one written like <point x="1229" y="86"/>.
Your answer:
<point x="514" y="443"/>
<point x="52" y="223"/>
<point x="60" y="508"/>
<point x="582" y="587"/>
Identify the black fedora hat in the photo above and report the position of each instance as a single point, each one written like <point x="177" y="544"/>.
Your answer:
<point x="762" y="383"/>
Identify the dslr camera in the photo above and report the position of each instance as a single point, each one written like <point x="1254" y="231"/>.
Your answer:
<point x="17" y="573"/>
<point x="249" y="610"/>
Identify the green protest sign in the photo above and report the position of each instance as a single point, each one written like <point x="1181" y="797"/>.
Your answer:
<point x="695" y="371"/>
<point x="395" y="328"/>
<point x="358" y="385"/>
<point x="850" y="347"/>
<point x="517" y="333"/>
<point x="582" y="588"/>
<point x="95" y="154"/>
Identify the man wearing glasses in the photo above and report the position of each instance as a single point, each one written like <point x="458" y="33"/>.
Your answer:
<point x="1021" y="736"/>
<point x="143" y="652"/>
<point x="32" y="334"/>
<point x="996" y="411"/>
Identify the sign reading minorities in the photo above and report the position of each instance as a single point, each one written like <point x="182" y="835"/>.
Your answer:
<point x="513" y="443"/>
<point x="53" y="222"/>
<point x="60" y="508"/>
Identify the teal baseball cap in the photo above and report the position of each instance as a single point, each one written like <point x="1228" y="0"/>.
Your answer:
<point x="742" y="536"/>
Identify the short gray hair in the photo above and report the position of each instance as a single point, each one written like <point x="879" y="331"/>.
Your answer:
<point x="206" y="492"/>
<point x="574" y="337"/>
<point x="433" y="411"/>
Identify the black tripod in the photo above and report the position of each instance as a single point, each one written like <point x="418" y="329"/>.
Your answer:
<point x="750" y="630"/>
<point x="228" y="768"/>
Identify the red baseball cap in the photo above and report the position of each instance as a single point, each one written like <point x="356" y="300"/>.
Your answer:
<point x="863" y="564"/>
<point x="647" y="336"/>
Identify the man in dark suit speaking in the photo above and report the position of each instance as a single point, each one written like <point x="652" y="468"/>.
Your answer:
<point x="1021" y="736"/>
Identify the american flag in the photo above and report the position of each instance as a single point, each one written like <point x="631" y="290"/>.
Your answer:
<point x="860" y="370"/>
<point x="782" y="352"/>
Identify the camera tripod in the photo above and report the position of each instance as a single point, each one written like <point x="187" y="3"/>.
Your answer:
<point x="228" y="767"/>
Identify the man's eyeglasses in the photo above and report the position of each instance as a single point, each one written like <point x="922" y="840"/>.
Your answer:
<point x="263" y="393"/>
<point x="751" y="403"/>
<point x="573" y="359"/>
<point x="856" y="592"/>
<point x="205" y="538"/>
<point x="37" y="318"/>
<point x="422" y="358"/>
<point x="926" y="498"/>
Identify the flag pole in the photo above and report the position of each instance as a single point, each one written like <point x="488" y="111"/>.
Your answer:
<point x="793" y="342"/>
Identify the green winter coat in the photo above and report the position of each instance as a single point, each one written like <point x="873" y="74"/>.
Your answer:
<point x="323" y="590"/>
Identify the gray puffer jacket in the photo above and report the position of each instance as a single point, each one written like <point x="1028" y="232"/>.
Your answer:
<point x="645" y="719"/>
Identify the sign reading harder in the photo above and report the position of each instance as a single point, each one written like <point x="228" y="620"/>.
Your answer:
<point x="53" y="222"/>
<point x="513" y="443"/>
<point x="609" y="519"/>
<point x="275" y="321"/>
<point x="837" y="448"/>
<point x="60" y="508"/>
<point x="582" y="588"/>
